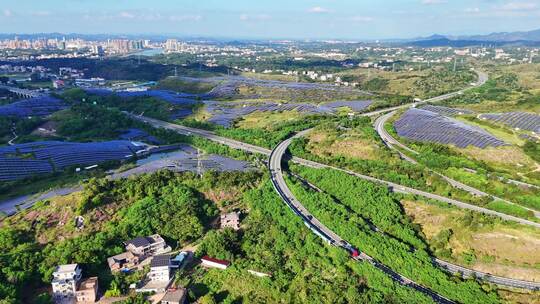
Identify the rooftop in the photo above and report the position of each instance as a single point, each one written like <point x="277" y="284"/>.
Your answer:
<point x="66" y="268"/>
<point x="177" y="295"/>
<point x="161" y="260"/>
<point x="89" y="283"/>
<point x="233" y="216"/>
<point x="214" y="260"/>
<point x="144" y="241"/>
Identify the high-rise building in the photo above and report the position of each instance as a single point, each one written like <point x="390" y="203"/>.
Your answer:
<point x="171" y="45"/>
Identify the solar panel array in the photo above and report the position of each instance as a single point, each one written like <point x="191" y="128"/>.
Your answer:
<point x="169" y="96"/>
<point x="224" y="113"/>
<point x="356" y="105"/>
<point x="182" y="99"/>
<point x="138" y="135"/>
<point x="38" y="106"/>
<point x="227" y="86"/>
<point x="521" y="120"/>
<point x="24" y="160"/>
<point x="446" y="111"/>
<point x="427" y="126"/>
<point x="528" y="137"/>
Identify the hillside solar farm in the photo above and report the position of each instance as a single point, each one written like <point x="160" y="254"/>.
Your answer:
<point x="225" y="113"/>
<point x="427" y="126"/>
<point x="518" y="120"/>
<point x="32" y="107"/>
<point x="446" y="111"/>
<point x="26" y="160"/>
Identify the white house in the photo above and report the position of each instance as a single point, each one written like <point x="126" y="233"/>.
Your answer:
<point x="65" y="281"/>
<point x="160" y="268"/>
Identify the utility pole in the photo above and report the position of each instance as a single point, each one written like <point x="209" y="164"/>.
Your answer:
<point x="199" y="163"/>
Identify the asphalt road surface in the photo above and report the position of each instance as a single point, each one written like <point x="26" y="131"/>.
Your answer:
<point x="281" y="187"/>
<point x="393" y="186"/>
<point x="274" y="165"/>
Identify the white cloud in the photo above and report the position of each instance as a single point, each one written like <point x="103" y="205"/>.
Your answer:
<point x="126" y="15"/>
<point x="362" y="19"/>
<point x="318" y="10"/>
<point x="472" y="10"/>
<point x="180" y="18"/>
<point x="431" y="2"/>
<point x="7" y="13"/>
<point x="256" y="17"/>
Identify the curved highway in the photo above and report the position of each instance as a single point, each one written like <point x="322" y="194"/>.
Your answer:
<point x="274" y="165"/>
<point x="391" y="142"/>
<point x="393" y="186"/>
<point x="281" y="187"/>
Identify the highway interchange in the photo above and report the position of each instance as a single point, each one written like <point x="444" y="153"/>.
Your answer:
<point x="274" y="164"/>
<point x="391" y="142"/>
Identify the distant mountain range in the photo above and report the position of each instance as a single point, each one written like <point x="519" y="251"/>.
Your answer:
<point x="528" y="38"/>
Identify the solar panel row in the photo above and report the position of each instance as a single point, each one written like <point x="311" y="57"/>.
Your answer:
<point x="521" y="120"/>
<point x="427" y="126"/>
<point x="446" y="111"/>
<point x="224" y="113"/>
<point x="39" y="106"/>
<point x="19" y="161"/>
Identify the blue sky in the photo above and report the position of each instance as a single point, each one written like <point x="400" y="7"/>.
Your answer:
<point x="340" y="19"/>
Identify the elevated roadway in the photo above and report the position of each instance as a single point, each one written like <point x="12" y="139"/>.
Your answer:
<point x="392" y="186"/>
<point x="278" y="181"/>
<point x="274" y="165"/>
<point x="23" y="92"/>
<point x="392" y="143"/>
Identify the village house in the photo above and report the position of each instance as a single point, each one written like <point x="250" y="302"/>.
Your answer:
<point x="65" y="281"/>
<point x="147" y="245"/>
<point x="123" y="261"/>
<point x="87" y="291"/>
<point x="175" y="296"/>
<point x="230" y="220"/>
<point x="67" y="285"/>
<point x="160" y="268"/>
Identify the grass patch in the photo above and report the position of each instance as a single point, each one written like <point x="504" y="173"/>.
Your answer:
<point x="500" y="248"/>
<point x="262" y="120"/>
<point x="499" y="132"/>
<point x="179" y="85"/>
<point x="510" y="209"/>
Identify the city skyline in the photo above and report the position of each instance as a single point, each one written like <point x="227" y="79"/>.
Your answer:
<point x="324" y="19"/>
